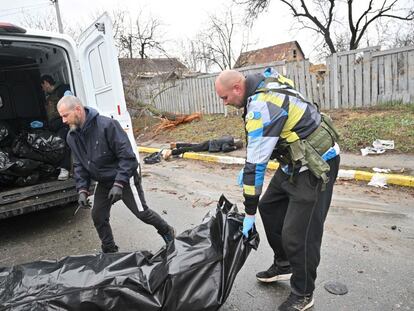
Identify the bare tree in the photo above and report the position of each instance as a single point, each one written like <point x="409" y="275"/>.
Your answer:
<point x="319" y="16"/>
<point x="142" y="37"/>
<point x="222" y="41"/>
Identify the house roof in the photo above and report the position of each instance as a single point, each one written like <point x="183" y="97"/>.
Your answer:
<point x="150" y="66"/>
<point x="278" y="52"/>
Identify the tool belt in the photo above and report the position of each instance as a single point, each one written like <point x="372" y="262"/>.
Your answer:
<point x="308" y="151"/>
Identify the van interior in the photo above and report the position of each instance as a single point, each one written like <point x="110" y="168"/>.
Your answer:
<point x="21" y="66"/>
<point x="22" y="99"/>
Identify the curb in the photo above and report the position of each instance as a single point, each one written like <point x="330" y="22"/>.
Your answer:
<point x="391" y="179"/>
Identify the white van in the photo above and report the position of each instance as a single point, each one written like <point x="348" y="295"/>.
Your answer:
<point x="90" y="66"/>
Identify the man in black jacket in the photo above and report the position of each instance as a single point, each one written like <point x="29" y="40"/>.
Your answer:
<point x="55" y="91"/>
<point x="102" y="152"/>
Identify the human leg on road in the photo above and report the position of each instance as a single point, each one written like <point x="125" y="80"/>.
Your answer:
<point x="134" y="199"/>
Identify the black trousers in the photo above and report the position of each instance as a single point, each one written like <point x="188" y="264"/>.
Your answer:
<point x="293" y="216"/>
<point x="133" y="197"/>
<point x="190" y="147"/>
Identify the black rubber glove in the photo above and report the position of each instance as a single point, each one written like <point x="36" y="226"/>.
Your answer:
<point x="115" y="194"/>
<point x="83" y="200"/>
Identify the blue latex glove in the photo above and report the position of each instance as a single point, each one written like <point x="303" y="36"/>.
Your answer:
<point x="248" y="223"/>
<point x="36" y="124"/>
<point x="240" y="178"/>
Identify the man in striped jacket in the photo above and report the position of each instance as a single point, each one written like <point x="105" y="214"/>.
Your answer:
<point x="281" y="124"/>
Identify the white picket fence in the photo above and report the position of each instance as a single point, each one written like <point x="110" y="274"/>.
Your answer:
<point x="358" y="78"/>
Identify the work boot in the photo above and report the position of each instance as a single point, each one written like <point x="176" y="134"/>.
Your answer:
<point x="109" y="249"/>
<point x="169" y="235"/>
<point x="297" y="303"/>
<point x="63" y="175"/>
<point x="274" y="273"/>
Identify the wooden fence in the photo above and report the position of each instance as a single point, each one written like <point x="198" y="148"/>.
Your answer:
<point x="358" y="78"/>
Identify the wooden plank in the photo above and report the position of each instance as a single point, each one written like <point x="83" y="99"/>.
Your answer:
<point x="374" y="81"/>
<point x="366" y="76"/>
<point x="335" y="82"/>
<point x="358" y="84"/>
<point x="387" y="78"/>
<point x="308" y="81"/>
<point x="328" y="100"/>
<point x="343" y="62"/>
<point x="402" y="72"/>
<point x="411" y="74"/>
<point x="301" y="76"/>
<point x="381" y="79"/>
<point x="351" y="79"/>
<point x="321" y="91"/>
<point x="394" y="66"/>
<point x="315" y="93"/>
<point x="393" y="51"/>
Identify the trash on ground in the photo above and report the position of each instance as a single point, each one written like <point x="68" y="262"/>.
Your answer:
<point x="378" y="180"/>
<point x="371" y="150"/>
<point x="381" y="170"/>
<point x="336" y="288"/>
<point x="383" y="144"/>
<point x="195" y="272"/>
<point x="379" y="146"/>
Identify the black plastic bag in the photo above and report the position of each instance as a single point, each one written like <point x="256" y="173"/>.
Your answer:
<point x="6" y="134"/>
<point x="40" y="145"/>
<point x="5" y="162"/>
<point x="28" y="180"/>
<point x="195" y="272"/>
<point x="153" y="158"/>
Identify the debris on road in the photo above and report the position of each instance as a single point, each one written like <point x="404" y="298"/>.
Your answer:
<point x="336" y="288"/>
<point x="378" y="180"/>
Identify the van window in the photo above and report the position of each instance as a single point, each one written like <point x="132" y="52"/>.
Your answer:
<point x="97" y="58"/>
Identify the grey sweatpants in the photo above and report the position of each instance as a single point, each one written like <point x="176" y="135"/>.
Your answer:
<point x="133" y="197"/>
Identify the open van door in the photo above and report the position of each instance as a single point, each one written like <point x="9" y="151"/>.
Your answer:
<point x="98" y="60"/>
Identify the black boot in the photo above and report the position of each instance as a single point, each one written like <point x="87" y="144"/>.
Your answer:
<point x="109" y="248"/>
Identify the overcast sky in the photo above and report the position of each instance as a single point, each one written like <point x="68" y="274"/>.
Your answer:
<point x="181" y="18"/>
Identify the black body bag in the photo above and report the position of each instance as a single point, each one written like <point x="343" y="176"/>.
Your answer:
<point x="195" y="272"/>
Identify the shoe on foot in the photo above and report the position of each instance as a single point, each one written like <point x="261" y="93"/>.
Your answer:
<point x="109" y="249"/>
<point x="297" y="303"/>
<point x="169" y="235"/>
<point x="64" y="174"/>
<point x="274" y="273"/>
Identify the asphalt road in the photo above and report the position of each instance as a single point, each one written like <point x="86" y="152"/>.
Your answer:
<point x="360" y="247"/>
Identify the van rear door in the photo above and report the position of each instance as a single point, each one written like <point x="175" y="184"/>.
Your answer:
<point x="101" y="75"/>
<point x="100" y="69"/>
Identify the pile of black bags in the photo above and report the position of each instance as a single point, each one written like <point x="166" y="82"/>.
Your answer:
<point x="28" y="156"/>
<point x="195" y="272"/>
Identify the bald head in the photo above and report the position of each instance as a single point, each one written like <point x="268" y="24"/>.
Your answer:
<point x="70" y="102"/>
<point x="230" y="87"/>
<point x="72" y="111"/>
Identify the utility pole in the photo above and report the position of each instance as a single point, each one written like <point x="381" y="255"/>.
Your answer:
<point x="59" y="19"/>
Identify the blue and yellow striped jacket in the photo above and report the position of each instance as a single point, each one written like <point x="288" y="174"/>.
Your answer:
<point x="275" y="113"/>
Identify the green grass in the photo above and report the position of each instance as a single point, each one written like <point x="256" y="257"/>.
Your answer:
<point x="359" y="128"/>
